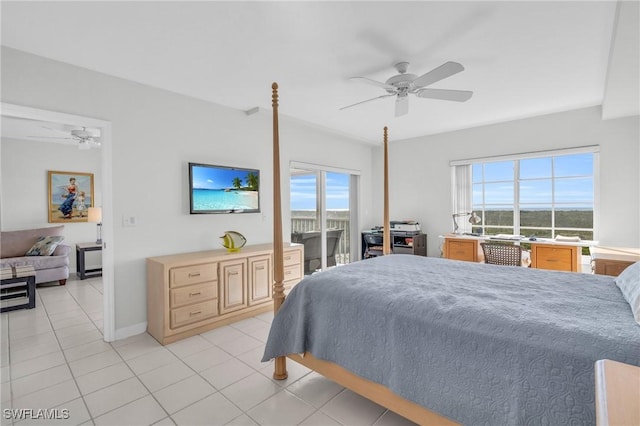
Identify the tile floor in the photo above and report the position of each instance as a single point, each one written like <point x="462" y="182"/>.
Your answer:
<point x="53" y="357"/>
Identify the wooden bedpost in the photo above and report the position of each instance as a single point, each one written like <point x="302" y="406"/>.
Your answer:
<point x="386" y="233"/>
<point x="280" y="372"/>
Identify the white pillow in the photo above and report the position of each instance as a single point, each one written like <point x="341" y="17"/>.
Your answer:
<point x="629" y="284"/>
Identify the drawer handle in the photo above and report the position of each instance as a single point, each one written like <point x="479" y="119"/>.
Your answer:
<point x="287" y="258"/>
<point x="194" y="274"/>
<point x="260" y="268"/>
<point x="287" y="272"/>
<point x="194" y="313"/>
<point x="195" y="293"/>
<point x="233" y="273"/>
<point x="552" y="260"/>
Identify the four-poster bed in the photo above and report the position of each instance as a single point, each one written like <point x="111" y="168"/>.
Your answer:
<point x="475" y="343"/>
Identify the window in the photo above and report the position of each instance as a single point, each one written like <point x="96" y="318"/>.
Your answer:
<point x="541" y="194"/>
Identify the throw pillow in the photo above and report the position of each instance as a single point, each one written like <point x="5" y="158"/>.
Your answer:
<point x="45" y="246"/>
<point x="629" y="284"/>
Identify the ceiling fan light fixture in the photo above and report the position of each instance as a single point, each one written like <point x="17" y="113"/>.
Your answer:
<point x="400" y="85"/>
<point x="84" y="144"/>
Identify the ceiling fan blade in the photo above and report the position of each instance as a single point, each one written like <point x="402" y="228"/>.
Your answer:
<point x="368" y="100"/>
<point x="402" y="105"/>
<point x="49" y="137"/>
<point x="445" y="94"/>
<point x="443" y="71"/>
<point x="374" y="82"/>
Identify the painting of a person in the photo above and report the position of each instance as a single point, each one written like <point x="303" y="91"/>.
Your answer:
<point x="81" y="207"/>
<point x="69" y="198"/>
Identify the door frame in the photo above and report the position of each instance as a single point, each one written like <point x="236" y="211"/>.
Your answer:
<point x="106" y="152"/>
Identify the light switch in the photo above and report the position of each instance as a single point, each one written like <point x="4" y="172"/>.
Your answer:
<point x="129" y="221"/>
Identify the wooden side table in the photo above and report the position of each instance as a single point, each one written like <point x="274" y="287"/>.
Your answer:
<point x="18" y="281"/>
<point x="81" y="249"/>
<point x="617" y="393"/>
<point x="612" y="260"/>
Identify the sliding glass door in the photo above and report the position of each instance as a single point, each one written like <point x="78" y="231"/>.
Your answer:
<point x="322" y="213"/>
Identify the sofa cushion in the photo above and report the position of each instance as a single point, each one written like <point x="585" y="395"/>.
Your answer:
<point x="38" y="262"/>
<point x="45" y="246"/>
<point x="17" y="243"/>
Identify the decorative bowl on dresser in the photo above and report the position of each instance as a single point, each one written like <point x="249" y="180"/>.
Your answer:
<point x="190" y="293"/>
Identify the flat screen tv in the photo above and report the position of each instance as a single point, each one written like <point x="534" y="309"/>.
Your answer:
<point x="222" y="189"/>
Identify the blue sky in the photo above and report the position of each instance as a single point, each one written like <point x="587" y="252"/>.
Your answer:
<point x="217" y="178"/>
<point x="303" y="192"/>
<point x="573" y="183"/>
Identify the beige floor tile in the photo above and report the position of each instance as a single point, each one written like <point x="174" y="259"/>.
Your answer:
<point x="281" y="409"/>
<point x="107" y="376"/>
<point x="144" y="411"/>
<point x="114" y="396"/>
<point x="177" y="396"/>
<point x="166" y="375"/>
<point x="213" y="410"/>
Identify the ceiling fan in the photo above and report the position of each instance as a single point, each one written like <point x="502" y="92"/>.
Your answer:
<point x="86" y="139"/>
<point x="403" y="84"/>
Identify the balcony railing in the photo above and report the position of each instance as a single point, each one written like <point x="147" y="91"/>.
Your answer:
<point x="303" y="223"/>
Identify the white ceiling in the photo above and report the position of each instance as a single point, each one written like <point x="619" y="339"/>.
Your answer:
<point x="521" y="58"/>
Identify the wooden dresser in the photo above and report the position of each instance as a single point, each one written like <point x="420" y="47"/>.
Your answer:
<point x="612" y="260"/>
<point x="190" y="293"/>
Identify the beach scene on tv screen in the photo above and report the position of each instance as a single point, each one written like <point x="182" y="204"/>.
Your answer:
<point x="224" y="189"/>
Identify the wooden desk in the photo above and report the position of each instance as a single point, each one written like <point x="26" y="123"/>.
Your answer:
<point x="546" y="253"/>
<point x="617" y="393"/>
<point x="612" y="260"/>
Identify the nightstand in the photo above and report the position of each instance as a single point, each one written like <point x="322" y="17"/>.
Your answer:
<point x="81" y="249"/>
<point x="612" y="260"/>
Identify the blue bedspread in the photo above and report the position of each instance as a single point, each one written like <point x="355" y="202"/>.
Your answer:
<point x="480" y="344"/>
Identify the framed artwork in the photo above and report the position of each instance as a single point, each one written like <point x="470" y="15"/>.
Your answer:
<point x="70" y="196"/>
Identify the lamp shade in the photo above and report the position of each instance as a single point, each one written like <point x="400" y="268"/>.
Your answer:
<point x="95" y="214"/>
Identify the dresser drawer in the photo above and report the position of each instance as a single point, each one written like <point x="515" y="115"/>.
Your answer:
<point x="462" y="250"/>
<point x="555" y="258"/>
<point x="292" y="258"/>
<point x="193" y="274"/>
<point x="193" y="294"/>
<point x="292" y="272"/>
<point x="193" y="313"/>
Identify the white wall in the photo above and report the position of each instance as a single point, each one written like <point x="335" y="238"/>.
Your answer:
<point x="155" y="134"/>
<point x="420" y="176"/>
<point x="25" y="188"/>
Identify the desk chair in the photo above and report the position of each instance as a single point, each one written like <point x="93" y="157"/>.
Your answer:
<point x="502" y="254"/>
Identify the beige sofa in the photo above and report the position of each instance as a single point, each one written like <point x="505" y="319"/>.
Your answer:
<point x="15" y="244"/>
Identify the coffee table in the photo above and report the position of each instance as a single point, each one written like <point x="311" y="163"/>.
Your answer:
<point x="18" y="281"/>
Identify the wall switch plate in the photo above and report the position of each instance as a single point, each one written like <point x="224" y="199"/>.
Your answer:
<point x="129" y="221"/>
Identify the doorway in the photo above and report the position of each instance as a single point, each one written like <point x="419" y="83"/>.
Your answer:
<point x="40" y="115"/>
<point x="323" y="204"/>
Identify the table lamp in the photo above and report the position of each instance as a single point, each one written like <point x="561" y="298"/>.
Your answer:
<point x="474" y="219"/>
<point x="95" y="216"/>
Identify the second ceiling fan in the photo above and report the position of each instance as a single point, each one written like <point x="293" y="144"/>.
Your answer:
<point x="403" y="84"/>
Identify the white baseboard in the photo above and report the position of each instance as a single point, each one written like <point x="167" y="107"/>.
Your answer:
<point x="132" y="330"/>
